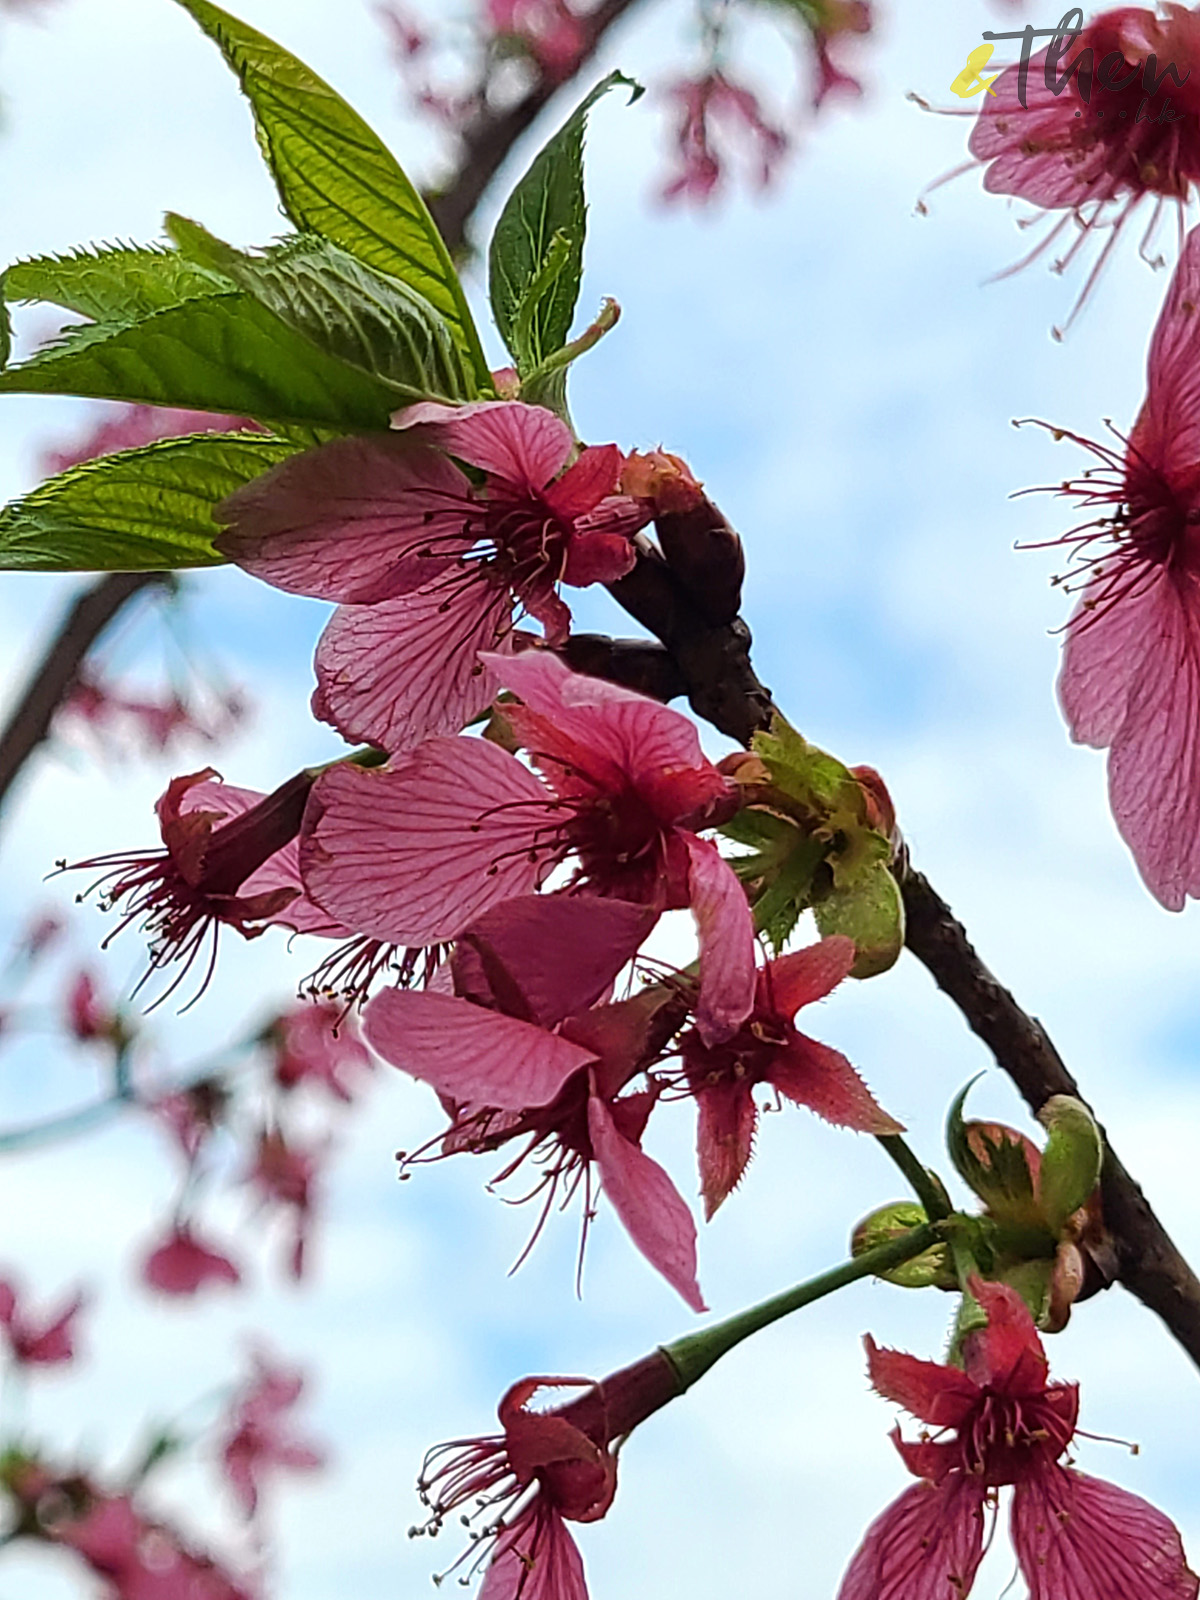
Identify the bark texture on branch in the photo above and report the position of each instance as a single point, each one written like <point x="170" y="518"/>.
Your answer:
<point x="715" y="672"/>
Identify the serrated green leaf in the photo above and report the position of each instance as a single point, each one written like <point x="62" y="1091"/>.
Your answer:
<point x="223" y="353"/>
<point x="117" y="284"/>
<point x="346" y="309"/>
<point x="788" y="892"/>
<point x="869" y="911"/>
<point x="137" y="510"/>
<point x="533" y="282"/>
<point x="335" y="176"/>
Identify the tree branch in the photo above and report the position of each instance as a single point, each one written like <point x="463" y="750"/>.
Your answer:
<point x="56" y="674"/>
<point x="716" y="674"/>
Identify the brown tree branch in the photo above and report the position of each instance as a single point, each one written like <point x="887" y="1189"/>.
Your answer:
<point x="488" y="138"/>
<point x="57" y="673"/>
<point x="716" y="675"/>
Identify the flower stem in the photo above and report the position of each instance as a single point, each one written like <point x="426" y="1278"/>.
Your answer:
<point x="693" y="1355"/>
<point x="927" y="1186"/>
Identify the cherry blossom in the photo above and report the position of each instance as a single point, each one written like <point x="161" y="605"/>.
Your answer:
<point x="412" y="853"/>
<point x="317" y="1042"/>
<point x="257" y="1440"/>
<point x="997" y="1421"/>
<point x="429" y="568"/>
<point x="34" y="1342"/>
<point x="183" y="1264"/>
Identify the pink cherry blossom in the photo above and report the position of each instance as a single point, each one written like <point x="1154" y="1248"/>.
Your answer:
<point x="88" y="1017"/>
<point x="1130" y="675"/>
<point x="999" y="1421"/>
<point x="183" y="1264"/>
<point x="317" y="1042"/>
<point x="257" y="1439"/>
<point x="529" y="1057"/>
<point x="35" y="1342"/>
<point x="125" y="720"/>
<point x="701" y="103"/>
<point x="430" y="568"/>
<point x="126" y="427"/>
<point x="414" y="852"/>
<point x="285" y="1176"/>
<point x="768" y="1049"/>
<point x="549" y="29"/>
<point x="191" y="1114"/>
<point x="231" y="858"/>
<point x="834" y="20"/>
<point x="547" y="1467"/>
<point x="1097" y="158"/>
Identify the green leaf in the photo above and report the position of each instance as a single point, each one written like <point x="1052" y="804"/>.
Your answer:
<point x="223" y="353"/>
<point x="138" y="510"/>
<point x="346" y="309"/>
<point x="868" y="910"/>
<point x="335" y="176"/>
<point x="535" y="260"/>
<point x="112" y="284"/>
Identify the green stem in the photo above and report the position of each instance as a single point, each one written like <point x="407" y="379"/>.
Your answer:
<point x="926" y="1185"/>
<point x="692" y="1356"/>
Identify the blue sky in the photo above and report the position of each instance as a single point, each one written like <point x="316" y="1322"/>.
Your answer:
<point x="835" y="369"/>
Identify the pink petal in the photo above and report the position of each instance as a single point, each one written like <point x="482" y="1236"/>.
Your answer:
<point x="648" y="1204"/>
<point x="1154" y="765"/>
<point x="183" y="1265"/>
<point x="555" y="953"/>
<point x="726" y="1119"/>
<point x="941" y="1396"/>
<point x="597" y="558"/>
<point x="556" y="1569"/>
<point x="396" y="672"/>
<point x="469" y="1053"/>
<point x="927" y="1545"/>
<point x="526" y="445"/>
<point x="1007" y="1354"/>
<point x="589" y="478"/>
<point x="1079" y="1538"/>
<point x="726" y="934"/>
<point x="1168" y="430"/>
<point x="1102" y="654"/>
<point x="414" y="852"/>
<point x="347" y="520"/>
<point x="806" y="975"/>
<point x="820" y="1078"/>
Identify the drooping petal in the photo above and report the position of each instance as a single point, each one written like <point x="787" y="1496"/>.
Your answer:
<point x="939" y="1395"/>
<point x="725" y="1123"/>
<point x="1154" y="764"/>
<point x="648" y="1204"/>
<point x="526" y="445"/>
<point x="816" y="1076"/>
<point x="725" y="928"/>
<point x="545" y="956"/>
<point x="1079" y="1538"/>
<point x="1006" y="1354"/>
<point x="597" y="558"/>
<point x="348" y="521"/>
<point x="415" y="852"/>
<point x="183" y="1264"/>
<point x="806" y="975"/>
<point x="927" y="1545"/>
<point x="469" y="1053"/>
<point x="545" y="1567"/>
<point x="397" y="672"/>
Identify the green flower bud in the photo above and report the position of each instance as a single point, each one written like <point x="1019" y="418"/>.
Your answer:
<point x="931" y="1270"/>
<point x="1071" y="1160"/>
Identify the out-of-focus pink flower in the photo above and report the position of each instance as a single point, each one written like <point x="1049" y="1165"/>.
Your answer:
<point x="88" y="1017"/>
<point x="546" y="1468"/>
<point x="257" y="1438"/>
<point x="1130" y="675"/>
<point x="769" y="1049"/>
<point x="428" y="566"/>
<point x="137" y="1558"/>
<point x="415" y="852"/>
<point x="833" y="21"/>
<point x="701" y="105"/>
<point x="231" y="857"/>
<point x="38" y="1343"/>
<point x="191" y="1114"/>
<point x="182" y="1264"/>
<point x="317" y="1042"/>
<point x="1087" y="148"/>
<point x="126" y="427"/>
<point x="998" y="1421"/>
<point x="124" y="719"/>
<point x="550" y="30"/>
<point x="285" y="1176"/>
<point x="528" y="1057"/>
<point x="39" y="934"/>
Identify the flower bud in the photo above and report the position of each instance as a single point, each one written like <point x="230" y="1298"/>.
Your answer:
<point x="881" y="813"/>
<point x="891" y="1222"/>
<point x="1000" y="1165"/>
<point x="1071" y="1161"/>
